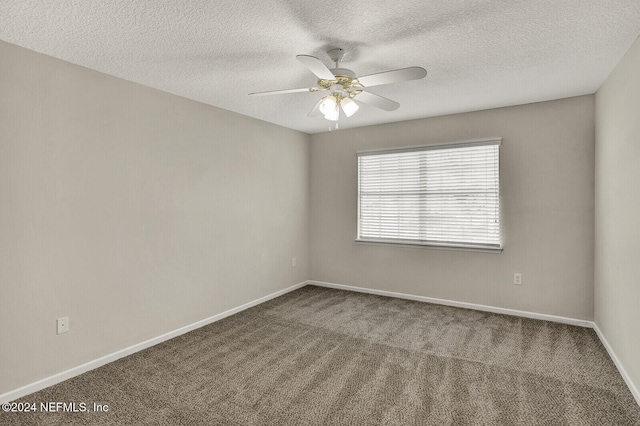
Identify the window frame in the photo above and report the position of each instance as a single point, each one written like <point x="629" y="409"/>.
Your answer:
<point x="490" y="248"/>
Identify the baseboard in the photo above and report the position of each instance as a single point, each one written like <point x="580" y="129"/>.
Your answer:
<point x="616" y="361"/>
<point x="75" y="371"/>
<point x="514" y="312"/>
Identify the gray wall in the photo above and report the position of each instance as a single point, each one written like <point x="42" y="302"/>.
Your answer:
<point x="617" y="248"/>
<point x="132" y="211"/>
<point x="547" y="184"/>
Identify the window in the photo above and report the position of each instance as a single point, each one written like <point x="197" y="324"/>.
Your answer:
<point x="439" y="195"/>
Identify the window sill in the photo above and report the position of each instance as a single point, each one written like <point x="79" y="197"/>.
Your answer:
<point x="454" y="247"/>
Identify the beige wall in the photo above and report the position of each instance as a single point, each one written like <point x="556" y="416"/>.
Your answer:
<point x="547" y="179"/>
<point x="617" y="201"/>
<point x="132" y="211"/>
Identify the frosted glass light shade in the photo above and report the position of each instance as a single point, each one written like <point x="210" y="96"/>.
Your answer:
<point x="329" y="107"/>
<point x="328" y="103"/>
<point x="348" y="106"/>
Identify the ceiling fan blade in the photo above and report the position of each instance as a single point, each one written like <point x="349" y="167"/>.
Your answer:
<point x="316" y="109"/>
<point x="280" y="92"/>
<point x="316" y="66"/>
<point x="394" y="76"/>
<point x="377" y="101"/>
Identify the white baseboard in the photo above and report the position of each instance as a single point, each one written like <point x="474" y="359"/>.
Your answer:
<point x="514" y="312"/>
<point x="76" y="371"/>
<point x="632" y="387"/>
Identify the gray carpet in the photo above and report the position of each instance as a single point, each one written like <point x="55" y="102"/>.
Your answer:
<point x="319" y="356"/>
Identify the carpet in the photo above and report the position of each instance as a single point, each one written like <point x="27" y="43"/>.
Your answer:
<point x="319" y="356"/>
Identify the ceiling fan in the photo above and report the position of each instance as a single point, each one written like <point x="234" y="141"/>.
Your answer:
<point x="344" y="86"/>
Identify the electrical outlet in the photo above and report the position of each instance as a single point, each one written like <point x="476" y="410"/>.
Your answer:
<point x="294" y="262"/>
<point x="517" y="279"/>
<point x="63" y="325"/>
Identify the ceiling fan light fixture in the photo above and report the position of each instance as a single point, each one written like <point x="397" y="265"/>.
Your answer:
<point x="348" y="106"/>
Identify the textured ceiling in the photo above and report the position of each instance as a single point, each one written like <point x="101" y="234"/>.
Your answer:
<point x="479" y="53"/>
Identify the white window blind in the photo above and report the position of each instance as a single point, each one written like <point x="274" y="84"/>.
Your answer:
<point x="443" y="195"/>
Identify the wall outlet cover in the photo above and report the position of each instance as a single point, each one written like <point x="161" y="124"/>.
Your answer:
<point x="63" y="325"/>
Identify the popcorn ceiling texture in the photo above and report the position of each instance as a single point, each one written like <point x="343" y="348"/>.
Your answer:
<point x="479" y="53"/>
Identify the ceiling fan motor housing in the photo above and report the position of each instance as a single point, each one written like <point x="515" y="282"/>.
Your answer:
<point x="343" y="72"/>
